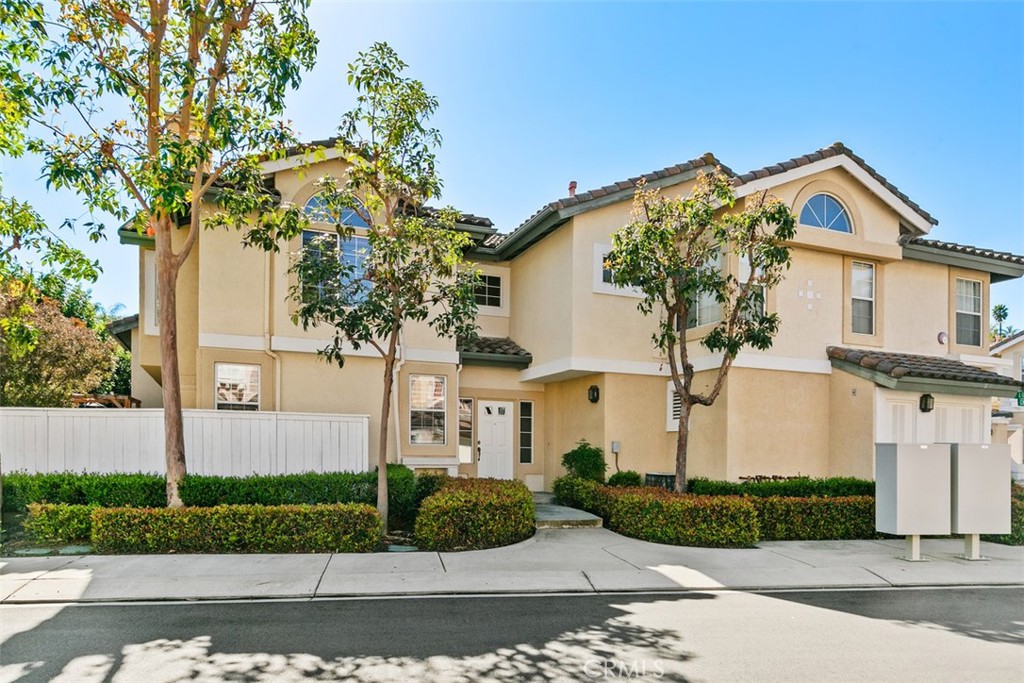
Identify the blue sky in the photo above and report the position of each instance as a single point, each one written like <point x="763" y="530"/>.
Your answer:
<point x="535" y="95"/>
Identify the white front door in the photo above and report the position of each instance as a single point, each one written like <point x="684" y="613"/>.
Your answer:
<point x="494" y="439"/>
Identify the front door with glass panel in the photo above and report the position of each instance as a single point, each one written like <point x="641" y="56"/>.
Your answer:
<point x="494" y="439"/>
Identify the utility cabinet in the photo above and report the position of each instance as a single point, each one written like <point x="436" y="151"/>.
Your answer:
<point x="980" y="488"/>
<point x="912" y="489"/>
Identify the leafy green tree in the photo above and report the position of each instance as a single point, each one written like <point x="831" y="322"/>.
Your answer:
<point x="1000" y="312"/>
<point x="68" y="357"/>
<point x="414" y="269"/>
<point x="671" y="252"/>
<point x="159" y="113"/>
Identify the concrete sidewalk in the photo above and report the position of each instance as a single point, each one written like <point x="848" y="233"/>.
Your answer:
<point x="555" y="560"/>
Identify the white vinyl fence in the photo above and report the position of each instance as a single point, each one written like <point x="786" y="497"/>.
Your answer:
<point x="216" y="441"/>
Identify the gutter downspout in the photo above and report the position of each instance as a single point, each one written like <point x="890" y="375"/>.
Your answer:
<point x="267" y="290"/>
<point x="394" y="394"/>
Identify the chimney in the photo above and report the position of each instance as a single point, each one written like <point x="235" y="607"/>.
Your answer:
<point x="572" y="188"/>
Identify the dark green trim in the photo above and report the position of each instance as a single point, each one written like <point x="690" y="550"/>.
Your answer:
<point x="129" y="236"/>
<point x="999" y="270"/>
<point x="926" y="385"/>
<point x="497" y="360"/>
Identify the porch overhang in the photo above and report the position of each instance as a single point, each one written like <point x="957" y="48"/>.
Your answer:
<point x="923" y="385"/>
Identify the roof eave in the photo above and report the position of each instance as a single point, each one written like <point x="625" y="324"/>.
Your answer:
<point x="999" y="270"/>
<point x="499" y="360"/>
<point x="925" y="385"/>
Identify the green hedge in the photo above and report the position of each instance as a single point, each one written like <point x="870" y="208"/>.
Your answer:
<point x="575" y="492"/>
<point x="59" y="522"/>
<point x="653" y="514"/>
<point x="1016" y="535"/>
<point x="472" y="514"/>
<point x="626" y="478"/>
<point x="797" y="487"/>
<point x="341" y="527"/>
<point x="149" y="490"/>
<point x="107" y="490"/>
<point x="816" y="518"/>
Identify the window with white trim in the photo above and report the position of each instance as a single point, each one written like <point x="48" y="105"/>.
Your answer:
<point x="604" y="277"/>
<point x="705" y="308"/>
<point x="236" y="386"/>
<point x="352" y="250"/>
<point x="319" y="212"/>
<point x="756" y="294"/>
<point x="427" y="409"/>
<point x="824" y="211"/>
<point x="968" y="312"/>
<point x="466" y="430"/>
<point x="862" y="297"/>
<point x="526" y="432"/>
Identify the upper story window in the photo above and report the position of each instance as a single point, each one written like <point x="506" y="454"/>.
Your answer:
<point x="237" y="386"/>
<point x="488" y="291"/>
<point x="352" y="250"/>
<point x="824" y="211"/>
<point x="862" y="302"/>
<point x="968" y="312"/>
<point x="318" y="211"/>
<point x="756" y="295"/>
<point x="705" y="308"/>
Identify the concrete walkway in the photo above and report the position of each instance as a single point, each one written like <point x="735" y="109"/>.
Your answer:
<point x="550" y="515"/>
<point x="554" y="560"/>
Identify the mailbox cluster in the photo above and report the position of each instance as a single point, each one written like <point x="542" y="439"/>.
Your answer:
<point x="941" y="489"/>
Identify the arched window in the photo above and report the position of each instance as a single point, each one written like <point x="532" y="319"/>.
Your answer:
<point x="317" y="210"/>
<point x="823" y="211"/>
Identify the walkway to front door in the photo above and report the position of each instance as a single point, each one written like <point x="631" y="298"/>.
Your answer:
<point x="494" y="439"/>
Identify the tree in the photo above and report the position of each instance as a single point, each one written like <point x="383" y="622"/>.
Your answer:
<point x="68" y="357"/>
<point x="159" y="113"/>
<point x="414" y="268"/>
<point x="1000" y="312"/>
<point x="672" y="250"/>
<point x="24" y="235"/>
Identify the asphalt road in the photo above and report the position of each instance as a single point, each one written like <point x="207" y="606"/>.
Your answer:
<point x="961" y="635"/>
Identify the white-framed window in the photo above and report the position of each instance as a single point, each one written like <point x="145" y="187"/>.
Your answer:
<point x="673" y="408"/>
<point x="862" y="297"/>
<point x="352" y="250"/>
<point x="236" y="386"/>
<point x="968" y="312"/>
<point x="705" y="308"/>
<point x="318" y="211"/>
<point x="756" y="291"/>
<point x="824" y="211"/>
<point x="526" y="432"/>
<point x="488" y="291"/>
<point x="466" y="430"/>
<point x="604" y="278"/>
<point x="427" y="409"/>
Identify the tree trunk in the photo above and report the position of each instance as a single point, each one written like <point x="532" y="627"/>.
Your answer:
<point x="166" y="296"/>
<point x="382" y="448"/>
<point x="682" y="443"/>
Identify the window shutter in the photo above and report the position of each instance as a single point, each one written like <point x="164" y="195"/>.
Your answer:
<point x="673" y="408"/>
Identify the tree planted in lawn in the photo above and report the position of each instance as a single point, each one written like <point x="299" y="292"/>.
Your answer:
<point x="674" y="251"/>
<point x="413" y="269"/>
<point x="159" y="112"/>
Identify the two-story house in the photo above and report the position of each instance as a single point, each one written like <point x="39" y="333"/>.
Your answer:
<point x="884" y="337"/>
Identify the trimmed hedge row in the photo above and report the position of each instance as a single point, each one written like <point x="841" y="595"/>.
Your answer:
<point x="797" y="487"/>
<point x="777" y="518"/>
<point x="149" y="490"/>
<point x="473" y="514"/>
<point x="341" y="527"/>
<point x="1016" y="535"/>
<point x="815" y="518"/>
<point x="653" y="514"/>
<point x="59" y="522"/>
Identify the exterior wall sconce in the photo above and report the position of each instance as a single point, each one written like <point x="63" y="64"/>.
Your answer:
<point x="927" y="403"/>
<point x="593" y="393"/>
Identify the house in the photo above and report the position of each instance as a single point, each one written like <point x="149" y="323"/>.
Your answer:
<point x="883" y="338"/>
<point x="1008" y="415"/>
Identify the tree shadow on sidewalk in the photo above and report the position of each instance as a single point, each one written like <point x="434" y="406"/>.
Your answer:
<point x="533" y="638"/>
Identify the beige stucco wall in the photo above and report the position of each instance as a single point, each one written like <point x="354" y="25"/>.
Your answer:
<point x="144" y="387"/>
<point x="850" y="425"/>
<point x="541" y="298"/>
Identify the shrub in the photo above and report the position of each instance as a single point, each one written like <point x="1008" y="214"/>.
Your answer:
<point x="308" y="488"/>
<point x="342" y="527"/>
<point x="472" y="514"/>
<point x="73" y="488"/>
<point x="796" y="487"/>
<point x="1016" y="535"/>
<point x="626" y="478"/>
<point x="653" y="514"/>
<point x="59" y="522"/>
<point x="585" y="461"/>
<point x="815" y="518"/>
<point x="575" y="492"/>
<point x="429" y="484"/>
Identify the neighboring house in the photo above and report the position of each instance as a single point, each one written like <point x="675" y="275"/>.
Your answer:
<point x="874" y="316"/>
<point x="1008" y="414"/>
